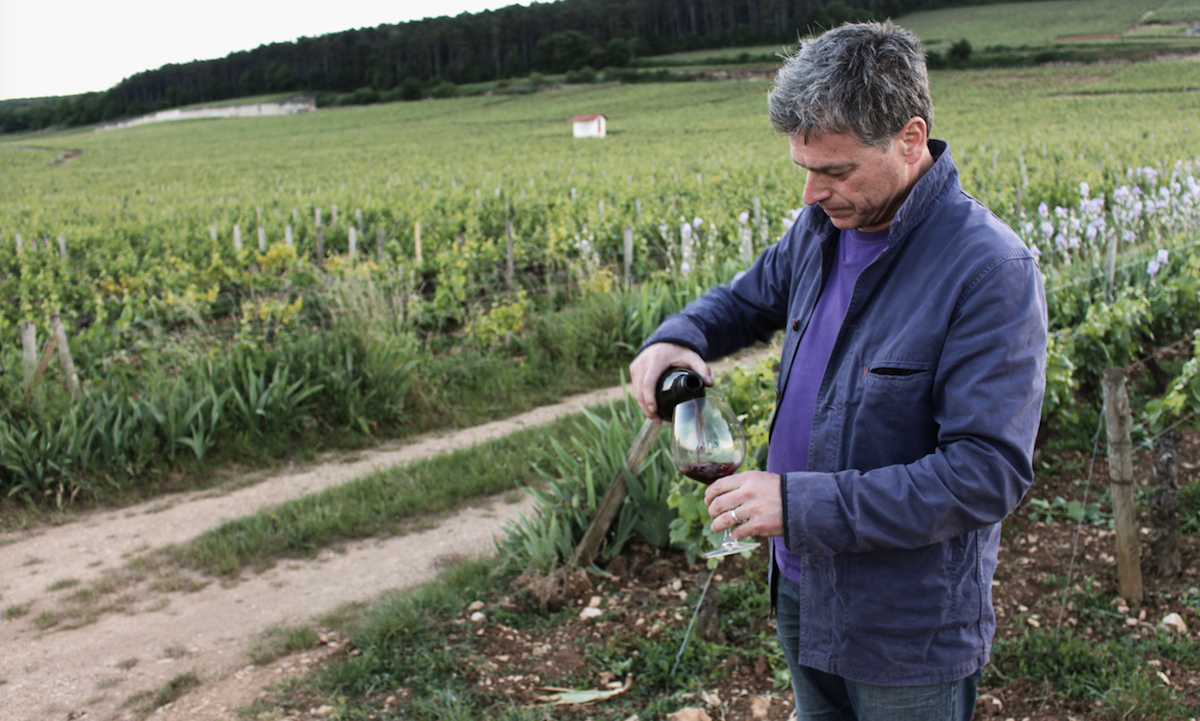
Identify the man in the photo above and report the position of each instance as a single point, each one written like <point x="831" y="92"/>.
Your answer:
<point x="909" y="394"/>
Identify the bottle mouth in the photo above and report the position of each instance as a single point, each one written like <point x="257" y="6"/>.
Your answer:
<point x="693" y="384"/>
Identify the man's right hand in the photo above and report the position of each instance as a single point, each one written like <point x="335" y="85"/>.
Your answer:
<point x="652" y="362"/>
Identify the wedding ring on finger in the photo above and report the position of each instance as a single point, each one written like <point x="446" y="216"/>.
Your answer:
<point x="734" y="514"/>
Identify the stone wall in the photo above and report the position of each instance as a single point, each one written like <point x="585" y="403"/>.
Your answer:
<point x="285" y="107"/>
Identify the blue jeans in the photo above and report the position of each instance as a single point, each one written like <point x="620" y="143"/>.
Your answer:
<point x="823" y="696"/>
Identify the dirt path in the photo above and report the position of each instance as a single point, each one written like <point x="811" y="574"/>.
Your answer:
<point x="159" y="634"/>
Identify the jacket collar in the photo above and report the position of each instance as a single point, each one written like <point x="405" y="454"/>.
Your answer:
<point x="940" y="179"/>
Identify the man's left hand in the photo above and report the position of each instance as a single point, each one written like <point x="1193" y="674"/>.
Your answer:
<point x="750" y="503"/>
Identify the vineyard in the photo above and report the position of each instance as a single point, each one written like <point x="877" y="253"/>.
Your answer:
<point x="230" y="288"/>
<point x="184" y="301"/>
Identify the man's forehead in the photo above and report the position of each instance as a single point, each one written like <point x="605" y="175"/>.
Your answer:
<point x="816" y="138"/>
<point x="828" y="151"/>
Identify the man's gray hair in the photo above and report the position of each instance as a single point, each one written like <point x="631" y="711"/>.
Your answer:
<point x="867" y="80"/>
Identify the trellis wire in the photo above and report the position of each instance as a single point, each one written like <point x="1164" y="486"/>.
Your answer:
<point x="687" y="634"/>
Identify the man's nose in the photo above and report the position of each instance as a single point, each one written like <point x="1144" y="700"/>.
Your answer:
<point x="814" y="190"/>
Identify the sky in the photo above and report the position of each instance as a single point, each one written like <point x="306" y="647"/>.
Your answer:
<point x="66" y="47"/>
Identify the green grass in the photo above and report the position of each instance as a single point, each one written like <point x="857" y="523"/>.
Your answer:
<point x="693" y="55"/>
<point x="1113" y="672"/>
<point x="724" y="55"/>
<point x="46" y="619"/>
<point x="1180" y="76"/>
<point x="15" y="610"/>
<point x="1028" y="24"/>
<point x="1176" y="30"/>
<point x="382" y="503"/>
<point x="418" y="622"/>
<point x="1177" y="11"/>
<point x="147" y="701"/>
<point x="279" y="641"/>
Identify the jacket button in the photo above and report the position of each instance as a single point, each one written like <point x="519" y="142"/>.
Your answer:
<point x="795" y="324"/>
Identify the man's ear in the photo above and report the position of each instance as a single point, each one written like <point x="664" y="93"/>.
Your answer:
<point x="912" y="138"/>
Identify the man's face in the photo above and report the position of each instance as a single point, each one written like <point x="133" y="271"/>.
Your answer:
<point x="858" y="186"/>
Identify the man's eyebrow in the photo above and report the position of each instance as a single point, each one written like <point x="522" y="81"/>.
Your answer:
<point x="827" y="169"/>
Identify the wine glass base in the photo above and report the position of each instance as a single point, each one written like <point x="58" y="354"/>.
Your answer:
<point x="731" y="548"/>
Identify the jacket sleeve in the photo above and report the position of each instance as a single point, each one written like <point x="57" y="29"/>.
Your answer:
<point x="730" y="317"/>
<point x="986" y="403"/>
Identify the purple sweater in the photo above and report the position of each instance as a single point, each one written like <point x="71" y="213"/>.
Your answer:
<point x="793" y="419"/>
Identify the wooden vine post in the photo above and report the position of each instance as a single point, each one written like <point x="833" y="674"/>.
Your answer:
<point x="1120" y="472"/>
<point x="610" y="504"/>
<point x="1110" y="266"/>
<point x="509" y="260"/>
<point x="36" y="364"/>
<point x="628" y="257"/>
<point x="64" y="354"/>
<point x="29" y="351"/>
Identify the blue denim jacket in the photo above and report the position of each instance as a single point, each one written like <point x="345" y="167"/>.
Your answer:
<point x="923" y="429"/>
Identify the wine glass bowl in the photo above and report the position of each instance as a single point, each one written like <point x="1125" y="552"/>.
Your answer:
<point x="708" y="443"/>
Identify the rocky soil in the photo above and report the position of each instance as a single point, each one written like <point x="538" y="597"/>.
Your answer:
<point x="651" y="591"/>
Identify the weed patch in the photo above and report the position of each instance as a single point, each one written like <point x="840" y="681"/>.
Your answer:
<point x="280" y="640"/>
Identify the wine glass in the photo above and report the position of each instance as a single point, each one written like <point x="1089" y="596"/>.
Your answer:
<point x="707" y="443"/>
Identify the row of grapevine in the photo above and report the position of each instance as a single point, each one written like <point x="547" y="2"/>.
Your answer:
<point x="1099" y="320"/>
<point x="478" y="227"/>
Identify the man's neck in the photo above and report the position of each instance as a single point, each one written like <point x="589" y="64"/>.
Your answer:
<point x="917" y="171"/>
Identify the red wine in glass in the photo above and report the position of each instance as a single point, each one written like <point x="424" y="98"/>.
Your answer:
<point x="707" y="443"/>
<point x="706" y="473"/>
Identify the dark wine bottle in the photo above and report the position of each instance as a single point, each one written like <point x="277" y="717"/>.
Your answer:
<point x="674" y="387"/>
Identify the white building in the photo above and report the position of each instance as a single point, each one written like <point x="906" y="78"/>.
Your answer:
<point x="589" y="126"/>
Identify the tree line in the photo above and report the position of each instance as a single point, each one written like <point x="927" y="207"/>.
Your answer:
<point x="411" y="60"/>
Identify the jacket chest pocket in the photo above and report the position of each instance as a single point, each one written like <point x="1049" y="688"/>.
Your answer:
<point x="893" y="371"/>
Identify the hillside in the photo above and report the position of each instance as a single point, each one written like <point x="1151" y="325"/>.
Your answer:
<point x="586" y="40"/>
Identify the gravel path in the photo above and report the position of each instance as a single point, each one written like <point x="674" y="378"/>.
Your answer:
<point x="158" y="633"/>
